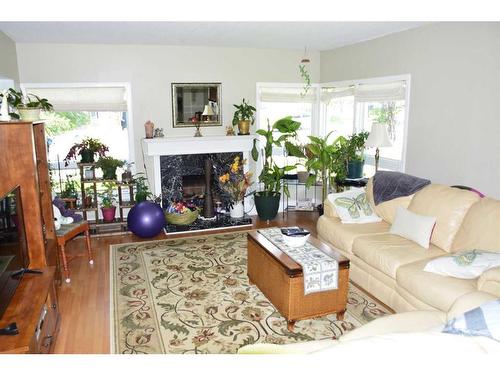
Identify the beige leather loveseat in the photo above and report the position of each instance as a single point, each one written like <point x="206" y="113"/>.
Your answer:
<point x="391" y="267"/>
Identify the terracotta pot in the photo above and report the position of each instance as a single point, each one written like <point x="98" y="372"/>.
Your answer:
<point x="108" y="214"/>
<point x="149" y="128"/>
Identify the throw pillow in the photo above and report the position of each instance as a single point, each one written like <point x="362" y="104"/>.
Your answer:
<point x="481" y="321"/>
<point x="414" y="227"/>
<point x="353" y="207"/>
<point x="468" y="264"/>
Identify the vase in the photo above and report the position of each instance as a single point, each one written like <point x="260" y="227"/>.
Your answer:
<point x="149" y="129"/>
<point x="108" y="214"/>
<point x="237" y="211"/>
<point x="355" y="168"/>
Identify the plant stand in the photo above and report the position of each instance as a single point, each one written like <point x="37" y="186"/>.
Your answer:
<point x="97" y="225"/>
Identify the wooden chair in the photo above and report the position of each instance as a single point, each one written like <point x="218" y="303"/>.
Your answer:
<point x="66" y="233"/>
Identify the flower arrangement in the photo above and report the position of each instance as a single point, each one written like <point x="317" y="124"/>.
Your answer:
<point x="87" y="149"/>
<point x="235" y="182"/>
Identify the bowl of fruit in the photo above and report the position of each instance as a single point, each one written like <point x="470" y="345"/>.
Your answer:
<point x="181" y="213"/>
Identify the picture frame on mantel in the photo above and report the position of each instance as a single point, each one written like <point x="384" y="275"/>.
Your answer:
<point x="196" y="104"/>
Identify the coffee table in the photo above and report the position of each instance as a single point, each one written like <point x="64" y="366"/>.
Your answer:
<point x="281" y="280"/>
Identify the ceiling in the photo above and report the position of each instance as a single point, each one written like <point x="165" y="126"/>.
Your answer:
<point x="317" y="36"/>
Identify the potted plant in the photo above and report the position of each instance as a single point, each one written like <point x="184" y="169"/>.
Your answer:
<point x="87" y="149"/>
<point x="142" y="190"/>
<point x="280" y="134"/>
<point x="28" y="105"/>
<point x="87" y="201"/>
<point x="355" y="154"/>
<point x="235" y="182"/>
<point x="325" y="162"/>
<point x="243" y="117"/>
<point x="108" y="208"/>
<point x="108" y="166"/>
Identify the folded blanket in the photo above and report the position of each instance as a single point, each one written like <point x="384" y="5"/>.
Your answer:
<point x="391" y="185"/>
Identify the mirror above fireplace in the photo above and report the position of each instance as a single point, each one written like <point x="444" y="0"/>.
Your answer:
<point x="196" y="103"/>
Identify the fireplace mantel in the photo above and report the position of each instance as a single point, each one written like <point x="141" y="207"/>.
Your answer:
<point x="197" y="145"/>
<point x="156" y="147"/>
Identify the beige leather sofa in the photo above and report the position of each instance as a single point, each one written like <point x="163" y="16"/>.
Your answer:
<point x="391" y="267"/>
<point x="414" y="330"/>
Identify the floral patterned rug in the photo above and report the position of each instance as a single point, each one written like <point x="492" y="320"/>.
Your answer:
<point x="192" y="295"/>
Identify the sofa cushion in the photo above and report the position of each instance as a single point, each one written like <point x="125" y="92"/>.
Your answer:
<point x="387" y="252"/>
<point x="480" y="227"/>
<point x="490" y="281"/>
<point x="448" y="205"/>
<point x="329" y="209"/>
<point x="435" y="290"/>
<point x="342" y="236"/>
<point x="386" y="210"/>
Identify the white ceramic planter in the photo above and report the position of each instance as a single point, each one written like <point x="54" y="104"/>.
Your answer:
<point x="237" y="211"/>
<point x="29" y="114"/>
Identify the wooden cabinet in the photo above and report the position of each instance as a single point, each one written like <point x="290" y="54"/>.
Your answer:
<point x="34" y="305"/>
<point x="34" y="308"/>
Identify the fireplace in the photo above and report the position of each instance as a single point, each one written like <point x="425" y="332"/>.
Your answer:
<point x="183" y="177"/>
<point x="178" y="170"/>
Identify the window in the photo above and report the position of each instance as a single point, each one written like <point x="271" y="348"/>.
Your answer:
<point x="82" y="111"/>
<point x="352" y="108"/>
<point x="275" y="101"/>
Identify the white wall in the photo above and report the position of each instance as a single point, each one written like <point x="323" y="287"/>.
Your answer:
<point x="8" y="59"/>
<point x="454" y="118"/>
<point x="151" y="70"/>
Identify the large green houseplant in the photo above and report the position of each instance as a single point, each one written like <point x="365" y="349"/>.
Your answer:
<point x="243" y="117"/>
<point x="281" y="134"/>
<point x="355" y="154"/>
<point x="325" y="162"/>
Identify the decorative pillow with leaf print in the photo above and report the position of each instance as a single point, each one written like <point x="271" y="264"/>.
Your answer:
<point x="468" y="264"/>
<point x="353" y="207"/>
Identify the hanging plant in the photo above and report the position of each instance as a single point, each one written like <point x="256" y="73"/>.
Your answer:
<point x="306" y="76"/>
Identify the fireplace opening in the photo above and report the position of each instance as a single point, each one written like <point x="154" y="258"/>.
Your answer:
<point x="193" y="186"/>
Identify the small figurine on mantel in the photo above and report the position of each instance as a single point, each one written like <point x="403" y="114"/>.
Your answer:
<point x="158" y="133"/>
<point x="230" y="131"/>
<point x="149" y="129"/>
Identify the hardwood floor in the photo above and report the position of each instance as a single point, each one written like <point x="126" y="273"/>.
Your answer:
<point x="84" y="304"/>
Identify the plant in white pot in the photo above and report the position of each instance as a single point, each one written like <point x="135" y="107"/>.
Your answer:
<point x="235" y="182"/>
<point x="28" y="105"/>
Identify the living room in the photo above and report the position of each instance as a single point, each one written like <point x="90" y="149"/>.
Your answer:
<point x="249" y="187"/>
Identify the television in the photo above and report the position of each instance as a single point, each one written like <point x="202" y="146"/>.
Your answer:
<point x="13" y="247"/>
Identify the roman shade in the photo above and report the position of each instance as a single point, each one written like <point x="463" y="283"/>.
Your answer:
<point x="287" y="95"/>
<point x="367" y="92"/>
<point x="91" y="99"/>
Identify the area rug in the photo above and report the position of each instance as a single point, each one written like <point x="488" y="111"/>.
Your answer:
<point x="190" y="296"/>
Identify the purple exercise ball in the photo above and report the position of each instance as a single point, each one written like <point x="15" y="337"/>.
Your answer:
<point x="146" y="219"/>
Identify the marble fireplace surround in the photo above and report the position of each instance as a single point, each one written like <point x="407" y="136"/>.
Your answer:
<point x="174" y="157"/>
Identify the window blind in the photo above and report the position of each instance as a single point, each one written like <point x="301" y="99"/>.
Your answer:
<point x="287" y="95"/>
<point x="367" y="92"/>
<point x="91" y="99"/>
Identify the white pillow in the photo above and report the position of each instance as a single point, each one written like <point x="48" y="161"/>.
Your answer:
<point x="467" y="264"/>
<point x="353" y="207"/>
<point x="417" y="228"/>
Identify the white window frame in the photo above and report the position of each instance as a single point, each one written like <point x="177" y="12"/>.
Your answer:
<point x="384" y="162"/>
<point x="128" y="90"/>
